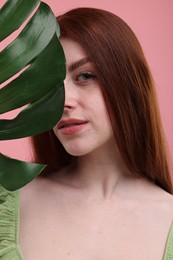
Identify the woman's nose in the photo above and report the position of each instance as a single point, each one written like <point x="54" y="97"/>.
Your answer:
<point x="70" y="94"/>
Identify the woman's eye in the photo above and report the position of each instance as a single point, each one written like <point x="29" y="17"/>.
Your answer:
<point x="85" y="76"/>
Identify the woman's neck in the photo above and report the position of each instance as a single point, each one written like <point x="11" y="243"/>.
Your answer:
<point x="99" y="172"/>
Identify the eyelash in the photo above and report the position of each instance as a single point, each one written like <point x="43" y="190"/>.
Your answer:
<point x="85" y="74"/>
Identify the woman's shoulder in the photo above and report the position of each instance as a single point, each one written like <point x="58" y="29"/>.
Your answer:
<point x="156" y="199"/>
<point x="154" y="192"/>
<point x="46" y="184"/>
<point x="150" y="199"/>
<point x="38" y="191"/>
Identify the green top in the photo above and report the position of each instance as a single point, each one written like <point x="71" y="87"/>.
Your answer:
<point x="9" y="228"/>
<point x="9" y="225"/>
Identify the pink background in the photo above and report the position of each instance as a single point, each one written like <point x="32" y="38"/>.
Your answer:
<point x="152" y="22"/>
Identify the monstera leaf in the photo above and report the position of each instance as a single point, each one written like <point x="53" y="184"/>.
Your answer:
<point x="38" y="58"/>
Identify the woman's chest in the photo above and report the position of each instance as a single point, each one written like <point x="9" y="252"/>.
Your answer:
<point x="91" y="235"/>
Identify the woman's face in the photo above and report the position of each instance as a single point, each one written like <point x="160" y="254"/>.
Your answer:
<point x="85" y="125"/>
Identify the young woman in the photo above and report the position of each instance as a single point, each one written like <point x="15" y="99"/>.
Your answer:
<point x="106" y="193"/>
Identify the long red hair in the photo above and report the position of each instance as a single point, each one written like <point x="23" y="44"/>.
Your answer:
<point x="129" y="93"/>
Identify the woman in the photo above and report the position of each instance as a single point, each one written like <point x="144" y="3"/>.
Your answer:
<point x="106" y="193"/>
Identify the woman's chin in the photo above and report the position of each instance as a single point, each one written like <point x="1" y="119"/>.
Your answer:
<point x="77" y="151"/>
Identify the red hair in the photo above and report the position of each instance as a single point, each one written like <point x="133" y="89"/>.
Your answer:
<point x="129" y="92"/>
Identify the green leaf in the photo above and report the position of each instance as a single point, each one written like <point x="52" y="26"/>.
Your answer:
<point x="40" y="116"/>
<point x="37" y="80"/>
<point x="31" y="41"/>
<point x="40" y="85"/>
<point x="14" y="174"/>
<point x="13" y="14"/>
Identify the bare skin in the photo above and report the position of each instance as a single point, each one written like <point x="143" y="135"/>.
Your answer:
<point x="95" y="209"/>
<point x="60" y="220"/>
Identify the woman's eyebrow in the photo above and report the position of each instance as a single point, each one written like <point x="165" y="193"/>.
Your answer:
<point x="73" y="66"/>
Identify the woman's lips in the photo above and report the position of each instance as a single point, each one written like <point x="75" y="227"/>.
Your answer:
<point x="71" y="126"/>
